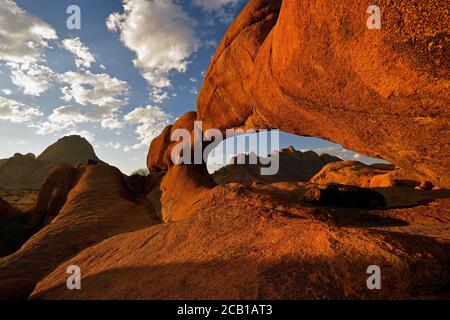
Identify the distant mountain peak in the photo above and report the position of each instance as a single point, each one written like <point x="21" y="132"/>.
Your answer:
<point x="294" y="165"/>
<point x="27" y="171"/>
<point x="289" y="149"/>
<point x="69" y="150"/>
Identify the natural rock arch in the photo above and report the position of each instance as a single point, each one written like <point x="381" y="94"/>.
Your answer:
<point x="315" y="69"/>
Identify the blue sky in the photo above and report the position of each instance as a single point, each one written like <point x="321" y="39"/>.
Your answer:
<point x="130" y="70"/>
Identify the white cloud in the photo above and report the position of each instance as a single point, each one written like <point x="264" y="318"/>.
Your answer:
<point x="336" y="151"/>
<point x="23" y="37"/>
<point x="7" y="92"/>
<point x="101" y="90"/>
<point x="62" y="118"/>
<point x="49" y="127"/>
<point x="103" y="93"/>
<point x="150" y="121"/>
<point x="17" y="112"/>
<point x="84" y="58"/>
<point x="67" y="114"/>
<point x="345" y="154"/>
<point x="112" y="123"/>
<point x="158" y="95"/>
<point x="160" y="33"/>
<point x="68" y="117"/>
<point x="32" y="78"/>
<point x="194" y="89"/>
<point x="89" y="136"/>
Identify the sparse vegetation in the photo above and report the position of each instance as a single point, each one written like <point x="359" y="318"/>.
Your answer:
<point x="92" y="162"/>
<point x="142" y="172"/>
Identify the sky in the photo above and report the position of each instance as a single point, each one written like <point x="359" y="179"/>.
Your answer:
<point x="132" y="68"/>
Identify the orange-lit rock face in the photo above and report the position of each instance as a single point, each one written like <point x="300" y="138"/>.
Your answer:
<point x="53" y="194"/>
<point x="226" y="98"/>
<point x="181" y="189"/>
<point x="182" y="185"/>
<point x="156" y="158"/>
<point x="159" y="156"/>
<point x="321" y="72"/>
<point x="235" y="247"/>
<point x="97" y="207"/>
<point x="314" y="68"/>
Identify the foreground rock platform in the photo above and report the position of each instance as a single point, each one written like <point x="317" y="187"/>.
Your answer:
<point x="245" y="244"/>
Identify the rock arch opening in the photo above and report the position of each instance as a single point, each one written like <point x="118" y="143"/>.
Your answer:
<point x="300" y="159"/>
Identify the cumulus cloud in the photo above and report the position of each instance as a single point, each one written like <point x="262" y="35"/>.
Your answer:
<point x="48" y="127"/>
<point x="100" y="95"/>
<point x="84" y="58"/>
<point x="112" y="123"/>
<point x="67" y="114"/>
<point x="104" y="93"/>
<point x="98" y="89"/>
<point x="160" y="33"/>
<point x="23" y="37"/>
<point x="61" y="119"/>
<point x="150" y="121"/>
<point x="32" y="78"/>
<point x="64" y="121"/>
<point x="7" y="92"/>
<point x="69" y="117"/>
<point x="16" y="111"/>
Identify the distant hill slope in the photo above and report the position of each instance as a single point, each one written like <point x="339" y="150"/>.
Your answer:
<point x="29" y="171"/>
<point x="294" y="166"/>
<point x="69" y="150"/>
